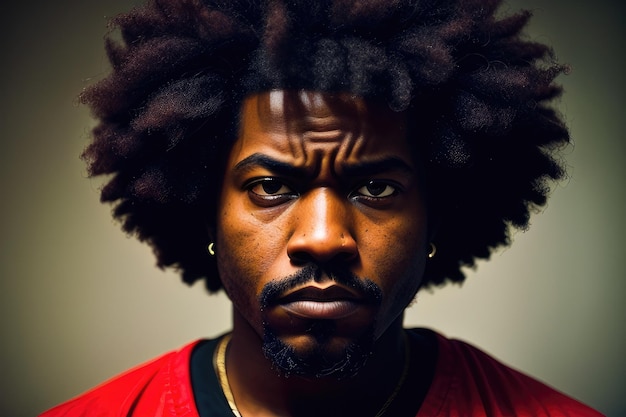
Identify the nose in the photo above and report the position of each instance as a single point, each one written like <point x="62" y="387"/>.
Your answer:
<point x="322" y="233"/>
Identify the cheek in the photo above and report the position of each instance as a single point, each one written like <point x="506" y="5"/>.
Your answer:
<point x="403" y="269"/>
<point x="396" y="258"/>
<point x="245" y="248"/>
<point x="234" y="249"/>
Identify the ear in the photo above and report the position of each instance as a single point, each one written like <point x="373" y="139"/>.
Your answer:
<point x="209" y="227"/>
<point x="432" y="231"/>
<point x="433" y="225"/>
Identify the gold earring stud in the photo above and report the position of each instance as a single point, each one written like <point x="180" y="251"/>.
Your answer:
<point x="433" y="250"/>
<point x="211" y="248"/>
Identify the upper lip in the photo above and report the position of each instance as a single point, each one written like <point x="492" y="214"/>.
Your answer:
<point x="328" y="294"/>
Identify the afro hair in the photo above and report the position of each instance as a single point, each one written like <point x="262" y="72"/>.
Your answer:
<point x="477" y="90"/>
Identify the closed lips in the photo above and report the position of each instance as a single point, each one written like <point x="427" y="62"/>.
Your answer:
<point x="330" y="303"/>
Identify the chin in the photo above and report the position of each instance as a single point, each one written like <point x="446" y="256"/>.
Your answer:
<point x="320" y="356"/>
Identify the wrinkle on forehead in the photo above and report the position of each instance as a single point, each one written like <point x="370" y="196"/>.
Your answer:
<point x="317" y="128"/>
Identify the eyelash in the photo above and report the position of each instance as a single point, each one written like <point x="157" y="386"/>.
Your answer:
<point x="271" y="197"/>
<point x="386" y="184"/>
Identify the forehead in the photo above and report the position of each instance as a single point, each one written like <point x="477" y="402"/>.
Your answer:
<point x="301" y="124"/>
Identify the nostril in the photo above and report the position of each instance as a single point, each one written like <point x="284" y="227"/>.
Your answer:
<point x="300" y="257"/>
<point x="339" y="255"/>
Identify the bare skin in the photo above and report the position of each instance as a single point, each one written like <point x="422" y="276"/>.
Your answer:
<point x="322" y="180"/>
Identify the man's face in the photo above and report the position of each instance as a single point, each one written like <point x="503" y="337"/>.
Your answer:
<point x="321" y="228"/>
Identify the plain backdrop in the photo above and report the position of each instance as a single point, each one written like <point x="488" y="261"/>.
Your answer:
<point x="80" y="302"/>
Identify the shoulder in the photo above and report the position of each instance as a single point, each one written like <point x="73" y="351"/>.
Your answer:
<point x="142" y="385"/>
<point x="466" y="378"/>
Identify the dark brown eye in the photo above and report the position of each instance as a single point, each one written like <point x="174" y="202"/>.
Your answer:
<point x="272" y="187"/>
<point x="270" y="192"/>
<point x="377" y="189"/>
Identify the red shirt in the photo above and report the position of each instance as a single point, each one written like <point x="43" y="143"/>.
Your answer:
<point x="467" y="383"/>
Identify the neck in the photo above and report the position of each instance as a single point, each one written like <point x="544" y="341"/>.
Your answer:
<point x="260" y="391"/>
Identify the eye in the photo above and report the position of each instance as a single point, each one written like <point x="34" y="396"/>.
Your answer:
<point x="268" y="187"/>
<point x="376" y="189"/>
<point x="269" y="191"/>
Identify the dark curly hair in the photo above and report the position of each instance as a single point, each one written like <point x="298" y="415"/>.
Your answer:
<point x="478" y="95"/>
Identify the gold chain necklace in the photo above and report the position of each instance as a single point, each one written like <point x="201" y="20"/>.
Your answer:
<point x="219" y="363"/>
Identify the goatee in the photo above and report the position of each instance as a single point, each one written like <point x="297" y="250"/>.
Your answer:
<point x="318" y="362"/>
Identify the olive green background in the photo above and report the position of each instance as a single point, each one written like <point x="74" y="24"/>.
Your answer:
<point x="80" y="302"/>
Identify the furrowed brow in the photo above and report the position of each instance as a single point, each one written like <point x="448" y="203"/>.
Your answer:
<point x="275" y="166"/>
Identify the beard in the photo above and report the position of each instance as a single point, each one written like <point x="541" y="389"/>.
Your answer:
<point x="319" y="361"/>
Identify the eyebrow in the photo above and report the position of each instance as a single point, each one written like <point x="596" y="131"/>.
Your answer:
<point x="359" y="169"/>
<point x="271" y="164"/>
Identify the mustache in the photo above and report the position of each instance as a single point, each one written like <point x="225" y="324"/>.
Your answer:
<point x="273" y="290"/>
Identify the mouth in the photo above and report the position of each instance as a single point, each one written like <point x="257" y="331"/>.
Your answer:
<point x="332" y="303"/>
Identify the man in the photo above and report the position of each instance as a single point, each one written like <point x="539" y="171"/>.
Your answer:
<point x="322" y="162"/>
